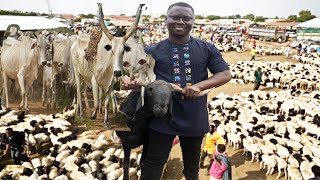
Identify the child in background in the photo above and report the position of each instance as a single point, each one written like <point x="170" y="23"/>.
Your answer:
<point x="220" y="168"/>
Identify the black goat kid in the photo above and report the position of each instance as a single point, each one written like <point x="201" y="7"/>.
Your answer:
<point x="157" y="104"/>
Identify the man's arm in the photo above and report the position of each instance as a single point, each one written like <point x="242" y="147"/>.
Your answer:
<point x="216" y="80"/>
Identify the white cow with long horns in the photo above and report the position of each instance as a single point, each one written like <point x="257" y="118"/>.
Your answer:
<point x="101" y="72"/>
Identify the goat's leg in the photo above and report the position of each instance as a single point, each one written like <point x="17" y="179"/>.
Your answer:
<point x="126" y="162"/>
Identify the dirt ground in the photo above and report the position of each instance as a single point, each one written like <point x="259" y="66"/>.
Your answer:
<point x="241" y="168"/>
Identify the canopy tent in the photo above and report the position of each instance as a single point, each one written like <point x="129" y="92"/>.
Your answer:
<point x="29" y="22"/>
<point x="313" y="23"/>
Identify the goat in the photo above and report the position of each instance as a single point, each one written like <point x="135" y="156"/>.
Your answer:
<point x="157" y="103"/>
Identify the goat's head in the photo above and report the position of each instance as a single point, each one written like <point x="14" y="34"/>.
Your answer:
<point x="159" y="97"/>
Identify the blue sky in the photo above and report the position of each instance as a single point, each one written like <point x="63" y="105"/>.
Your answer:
<point x="267" y="8"/>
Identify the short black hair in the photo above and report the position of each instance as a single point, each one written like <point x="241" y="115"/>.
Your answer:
<point x="9" y="129"/>
<point x="316" y="170"/>
<point x="182" y="4"/>
<point x="221" y="148"/>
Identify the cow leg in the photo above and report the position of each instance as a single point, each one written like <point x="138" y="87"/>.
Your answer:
<point x="44" y="87"/>
<point x="100" y="99"/>
<point x="114" y="103"/>
<point x="22" y="87"/>
<point x="85" y="88"/>
<point x="106" y="122"/>
<point x="54" y="89"/>
<point x="5" y="86"/>
<point x="126" y="162"/>
<point x="95" y="92"/>
<point x="79" y="109"/>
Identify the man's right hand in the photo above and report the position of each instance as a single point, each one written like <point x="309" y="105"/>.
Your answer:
<point x="127" y="84"/>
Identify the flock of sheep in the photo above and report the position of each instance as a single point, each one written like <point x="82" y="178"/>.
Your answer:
<point x="65" y="154"/>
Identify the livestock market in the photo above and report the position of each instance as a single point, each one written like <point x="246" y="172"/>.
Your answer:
<point x="150" y="90"/>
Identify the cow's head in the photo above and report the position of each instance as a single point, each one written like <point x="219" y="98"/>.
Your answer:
<point x="45" y="46"/>
<point x="118" y="46"/>
<point x="135" y="61"/>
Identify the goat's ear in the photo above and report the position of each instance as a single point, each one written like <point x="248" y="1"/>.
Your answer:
<point x="127" y="48"/>
<point x="107" y="47"/>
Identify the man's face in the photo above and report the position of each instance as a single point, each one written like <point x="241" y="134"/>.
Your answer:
<point x="9" y="133"/>
<point x="179" y="21"/>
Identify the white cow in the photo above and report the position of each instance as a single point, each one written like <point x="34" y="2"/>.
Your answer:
<point x="20" y="61"/>
<point x="99" y="73"/>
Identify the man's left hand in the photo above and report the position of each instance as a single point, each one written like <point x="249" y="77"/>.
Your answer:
<point x="190" y="92"/>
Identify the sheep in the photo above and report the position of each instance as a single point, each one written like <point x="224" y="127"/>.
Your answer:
<point x="269" y="161"/>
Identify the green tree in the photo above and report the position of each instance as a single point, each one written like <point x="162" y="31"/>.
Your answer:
<point x="293" y="18"/>
<point x="260" y="19"/>
<point x="238" y="16"/>
<point x="305" y="15"/>
<point x="122" y="15"/>
<point x="162" y="16"/>
<point x="213" y="17"/>
<point x="199" y="17"/>
<point x="249" y="16"/>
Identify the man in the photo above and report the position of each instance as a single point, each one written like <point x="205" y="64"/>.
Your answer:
<point x="212" y="139"/>
<point x="14" y="141"/>
<point x="182" y="60"/>
<point x="258" y="80"/>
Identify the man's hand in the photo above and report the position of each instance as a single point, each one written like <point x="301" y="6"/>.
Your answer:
<point x="190" y="92"/>
<point x="127" y="84"/>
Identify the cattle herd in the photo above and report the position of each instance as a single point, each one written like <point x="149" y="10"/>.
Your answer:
<point x="279" y="129"/>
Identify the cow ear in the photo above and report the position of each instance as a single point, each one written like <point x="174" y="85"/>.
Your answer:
<point x="107" y="47"/>
<point x="127" y="48"/>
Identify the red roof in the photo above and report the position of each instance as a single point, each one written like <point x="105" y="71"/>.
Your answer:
<point x="282" y="24"/>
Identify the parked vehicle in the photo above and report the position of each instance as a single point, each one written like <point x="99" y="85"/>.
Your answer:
<point x="266" y="34"/>
<point x="291" y="34"/>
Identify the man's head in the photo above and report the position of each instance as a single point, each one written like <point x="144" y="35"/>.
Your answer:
<point x="221" y="148"/>
<point x="179" y="19"/>
<point x="9" y="132"/>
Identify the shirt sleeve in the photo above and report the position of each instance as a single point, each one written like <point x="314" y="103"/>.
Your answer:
<point x="216" y="63"/>
<point x="150" y="49"/>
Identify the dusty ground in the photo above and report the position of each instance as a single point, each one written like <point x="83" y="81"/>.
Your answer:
<point x="241" y="168"/>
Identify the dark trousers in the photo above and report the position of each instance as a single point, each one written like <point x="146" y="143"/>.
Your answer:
<point x="156" y="152"/>
<point x="256" y="86"/>
<point x="203" y="157"/>
<point x="16" y="155"/>
<point x="253" y="58"/>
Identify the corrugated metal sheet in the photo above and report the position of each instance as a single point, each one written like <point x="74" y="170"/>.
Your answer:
<point x="313" y="23"/>
<point x="29" y="22"/>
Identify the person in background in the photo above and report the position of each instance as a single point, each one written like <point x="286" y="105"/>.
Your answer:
<point x="221" y="167"/>
<point x="212" y="138"/>
<point x="258" y="78"/>
<point x="14" y="141"/>
<point x="253" y="53"/>
<point x="318" y="51"/>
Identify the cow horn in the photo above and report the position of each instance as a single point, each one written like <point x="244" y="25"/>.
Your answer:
<point x="101" y="21"/>
<point x="202" y="93"/>
<point x="135" y="24"/>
